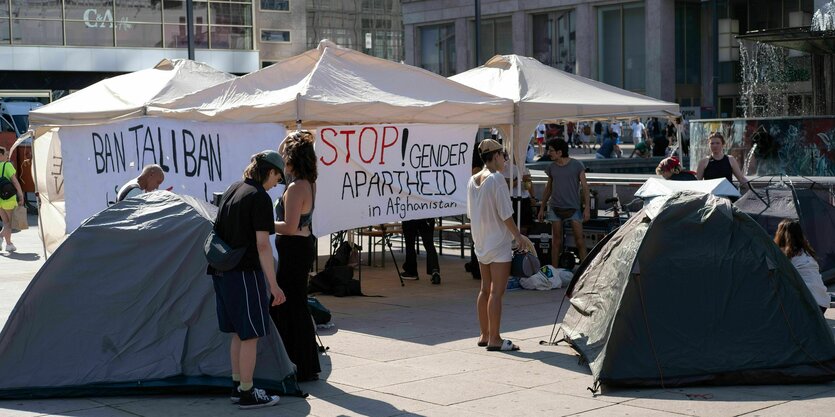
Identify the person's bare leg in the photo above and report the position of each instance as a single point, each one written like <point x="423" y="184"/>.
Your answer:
<point x="6" y="233"/>
<point x="481" y="302"/>
<point x="235" y="354"/>
<point x="556" y="242"/>
<point x="246" y="359"/>
<point x="499" y="271"/>
<point x="579" y="240"/>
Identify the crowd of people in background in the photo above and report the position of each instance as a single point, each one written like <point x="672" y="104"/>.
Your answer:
<point x="655" y="138"/>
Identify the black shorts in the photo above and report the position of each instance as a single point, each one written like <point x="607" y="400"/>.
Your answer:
<point x="243" y="303"/>
<point x="527" y="213"/>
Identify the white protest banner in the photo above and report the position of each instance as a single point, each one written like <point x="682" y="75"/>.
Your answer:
<point x="198" y="158"/>
<point x="373" y="174"/>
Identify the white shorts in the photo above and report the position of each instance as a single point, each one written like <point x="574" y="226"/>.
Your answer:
<point x="501" y="253"/>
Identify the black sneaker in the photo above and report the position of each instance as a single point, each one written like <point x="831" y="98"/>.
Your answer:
<point x="235" y="396"/>
<point x="256" y="398"/>
<point x="436" y="278"/>
<point x="409" y="275"/>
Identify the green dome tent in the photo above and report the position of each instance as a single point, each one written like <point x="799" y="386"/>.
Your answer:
<point x="124" y="306"/>
<point x="693" y="291"/>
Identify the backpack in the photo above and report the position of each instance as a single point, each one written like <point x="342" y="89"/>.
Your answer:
<point x="7" y="189"/>
<point x="319" y="312"/>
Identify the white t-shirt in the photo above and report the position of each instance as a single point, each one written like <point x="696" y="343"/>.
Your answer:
<point x="809" y="271"/>
<point x="508" y="169"/>
<point x="540" y="131"/>
<point x="488" y="206"/>
<point x="637" y="130"/>
<point x="615" y="128"/>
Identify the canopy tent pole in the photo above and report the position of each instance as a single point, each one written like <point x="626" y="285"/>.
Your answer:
<point x="37" y="193"/>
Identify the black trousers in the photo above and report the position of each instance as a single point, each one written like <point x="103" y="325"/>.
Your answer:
<point x="424" y="228"/>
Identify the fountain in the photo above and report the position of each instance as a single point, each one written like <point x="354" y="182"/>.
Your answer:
<point x="774" y="137"/>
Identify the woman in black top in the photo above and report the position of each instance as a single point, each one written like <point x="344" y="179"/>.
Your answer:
<point x="296" y="252"/>
<point x="719" y="165"/>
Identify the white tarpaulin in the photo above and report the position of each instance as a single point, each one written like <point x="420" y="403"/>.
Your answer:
<point x="333" y="85"/>
<point x="374" y="174"/>
<point x="655" y="187"/>
<point x="656" y="191"/>
<point x="198" y="158"/>
<point x="543" y="93"/>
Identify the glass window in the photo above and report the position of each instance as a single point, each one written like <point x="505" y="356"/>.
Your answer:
<point x="4" y="8"/>
<point x="147" y="12"/>
<point x="610" y="48"/>
<point x="622" y="46"/>
<point x="175" y="12"/>
<point x="437" y="49"/>
<point x="554" y="39"/>
<point x="175" y="36"/>
<point x="634" y="47"/>
<point x="230" y="14"/>
<point x="542" y="32"/>
<point x="269" y="35"/>
<point x="230" y="37"/>
<point x="42" y="9"/>
<point x="275" y="5"/>
<point x="688" y="43"/>
<point x="81" y="34"/>
<point x="5" y="31"/>
<point x="140" y="35"/>
<point x="496" y="38"/>
<point x="37" y="32"/>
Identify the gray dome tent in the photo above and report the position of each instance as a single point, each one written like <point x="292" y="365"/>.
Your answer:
<point x="695" y="293"/>
<point x="124" y="306"/>
<point x="769" y="206"/>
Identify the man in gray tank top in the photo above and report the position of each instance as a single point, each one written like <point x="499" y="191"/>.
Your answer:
<point x="566" y="178"/>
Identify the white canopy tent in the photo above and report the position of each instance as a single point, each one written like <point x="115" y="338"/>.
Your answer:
<point x="126" y="96"/>
<point x="545" y="94"/>
<point x="333" y="85"/>
<point x="121" y="97"/>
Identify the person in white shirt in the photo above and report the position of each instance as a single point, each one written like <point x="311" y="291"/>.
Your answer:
<point x="540" y="138"/>
<point x="639" y="131"/>
<point x="149" y="180"/>
<point x="493" y="230"/>
<point x="615" y="127"/>
<point x="790" y="239"/>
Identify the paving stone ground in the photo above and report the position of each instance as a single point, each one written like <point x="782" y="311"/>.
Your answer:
<point x="412" y="352"/>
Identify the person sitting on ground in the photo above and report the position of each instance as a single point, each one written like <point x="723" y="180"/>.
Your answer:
<point x="8" y="205"/>
<point x="670" y="169"/>
<point x="641" y="150"/>
<point x="793" y="243"/>
<point x="719" y="165"/>
<point x="149" y="180"/>
<point x="609" y="148"/>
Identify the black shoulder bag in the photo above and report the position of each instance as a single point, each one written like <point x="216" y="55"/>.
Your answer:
<point x="220" y="255"/>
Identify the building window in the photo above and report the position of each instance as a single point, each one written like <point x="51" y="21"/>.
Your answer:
<point x="554" y="39"/>
<point x="496" y="38"/>
<point x="275" y="5"/>
<point x="437" y="49"/>
<point x="374" y="27"/>
<point x="270" y="35"/>
<point x="622" y="46"/>
<point x="688" y="43"/>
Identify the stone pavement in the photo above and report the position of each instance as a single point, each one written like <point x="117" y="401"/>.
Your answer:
<point x="412" y="353"/>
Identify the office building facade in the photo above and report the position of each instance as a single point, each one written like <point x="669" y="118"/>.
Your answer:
<point x="675" y="50"/>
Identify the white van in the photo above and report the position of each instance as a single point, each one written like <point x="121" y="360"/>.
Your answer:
<point x="15" y="115"/>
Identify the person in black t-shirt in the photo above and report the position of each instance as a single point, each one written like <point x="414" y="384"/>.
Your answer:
<point x="245" y="219"/>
